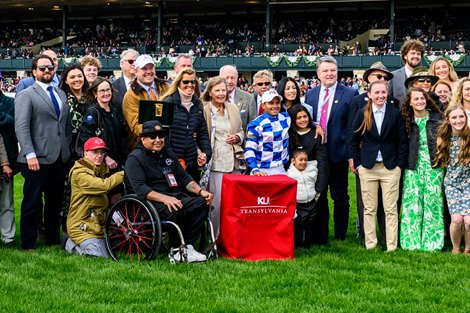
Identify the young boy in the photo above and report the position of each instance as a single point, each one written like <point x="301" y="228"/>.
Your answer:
<point x="305" y="172"/>
<point x="267" y="142"/>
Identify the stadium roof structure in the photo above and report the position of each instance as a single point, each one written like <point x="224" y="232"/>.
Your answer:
<point x="31" y="10"/>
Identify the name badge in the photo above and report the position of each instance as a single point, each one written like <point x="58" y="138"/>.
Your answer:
<point x="172" y="180"/>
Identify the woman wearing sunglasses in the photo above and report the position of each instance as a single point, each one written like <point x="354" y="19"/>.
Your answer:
<point x="189" y="138"/>
<point x="421" y="78"/>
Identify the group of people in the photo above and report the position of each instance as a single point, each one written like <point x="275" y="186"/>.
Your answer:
<point x="78" y="132"/>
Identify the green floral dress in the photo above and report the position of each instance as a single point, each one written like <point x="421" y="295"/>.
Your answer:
<point x="422" y="221"/>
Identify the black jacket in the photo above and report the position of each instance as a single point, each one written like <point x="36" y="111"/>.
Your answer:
<point x="7" y="129"/>
<point x="113" y="132"/>
<point x="145" y="172"/>
<point x="392" y="141"/>
<point x="432" y="125"/>
<point x="189" y="131"/>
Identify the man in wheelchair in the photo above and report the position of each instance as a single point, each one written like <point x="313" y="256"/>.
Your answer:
<point x="90" y="184"/>
<point x="155" y="174"/>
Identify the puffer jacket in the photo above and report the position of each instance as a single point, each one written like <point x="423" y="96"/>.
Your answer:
<point x="89" y="201"/>
<point x="189" y="131"/>
<point x="305" y="181"/>
<point x="432" y="126"/>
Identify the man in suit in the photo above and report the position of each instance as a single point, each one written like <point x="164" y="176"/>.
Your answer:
<point x="242" y="99"/>
<point x="376" y="72"/>
<point x="262" y="82"/>
<point x="29" y="81"/>
<point x="411" y="53"/>
<point x="330" y="102"/>
<point x="44" y="131"/>
<point x="123" y="83"/>
<point x="379" y="150"/>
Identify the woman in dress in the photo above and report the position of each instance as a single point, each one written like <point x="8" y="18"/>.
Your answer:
<point x="453" y="152"/>
<point x="461" y="96"/>
<point x="226" y="133"/>
<point x="302" y="136"/>
<point x="442" y="68"/>
<point x="422" y="219"/>
<point x="189" y="138"/>
<point x="444" y="90"/>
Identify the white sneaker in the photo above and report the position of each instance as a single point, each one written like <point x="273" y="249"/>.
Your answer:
<point x="195" y="256"/>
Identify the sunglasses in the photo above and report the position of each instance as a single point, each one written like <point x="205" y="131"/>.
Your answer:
<point x="424" y="80"/>
<point x="42" y="68"/>
<point x="185" y="82"/>
<point x="160" y="134"/>
<point x="380" y="76"/>
<point x="265" y="84"/>
<point x="130" y="61"/>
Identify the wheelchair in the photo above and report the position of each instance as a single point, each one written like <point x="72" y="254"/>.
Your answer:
<point x="134" y="231"/>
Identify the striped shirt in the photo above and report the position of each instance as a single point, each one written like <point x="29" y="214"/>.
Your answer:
<point x="267" y="141"/>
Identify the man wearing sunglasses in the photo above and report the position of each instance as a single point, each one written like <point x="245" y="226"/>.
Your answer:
<point x="154" y="173"/>
<point x="44" y="130"/>
<point x="123" y="83"/>
<point x="377" y="71"/>
<point x="262" y="81"/>
<point x="29" y="81"/>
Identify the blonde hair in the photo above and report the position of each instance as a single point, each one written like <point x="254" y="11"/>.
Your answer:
<point x="89" y="60"/>
<point x="174" y="86"/>
<point x="457" y="95"/>
<point x="263" y="74"/>
<point x="452" y="74"/>
<point x="206" y="96"/>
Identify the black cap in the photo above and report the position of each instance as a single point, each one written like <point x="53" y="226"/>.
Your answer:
<point x="150" y="128"/>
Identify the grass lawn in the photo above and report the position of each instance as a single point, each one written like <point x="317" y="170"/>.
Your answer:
<point x="340" y="277"/>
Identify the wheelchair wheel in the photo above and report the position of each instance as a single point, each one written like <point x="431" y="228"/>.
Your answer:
<point x="133" y="230"/>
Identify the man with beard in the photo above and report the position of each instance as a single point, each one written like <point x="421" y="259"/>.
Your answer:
<point x="44" y="131"/>
<point x="411" y="53"/>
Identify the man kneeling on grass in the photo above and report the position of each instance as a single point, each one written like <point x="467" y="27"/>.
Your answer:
<point x="90" y="185"/>
<point x="155" y="174"/>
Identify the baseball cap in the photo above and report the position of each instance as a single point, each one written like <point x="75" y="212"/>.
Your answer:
<point x="143" y="60"/>
<point x="150" y="128"/>
<point x="269" y="95"/>
<point x="94" y="143"/>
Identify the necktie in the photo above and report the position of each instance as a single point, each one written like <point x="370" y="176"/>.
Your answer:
<point x="261" y="110"/>
<point x="153" y="96"/>
<point x="324" y="112"/>
<point x="54" y="101"/>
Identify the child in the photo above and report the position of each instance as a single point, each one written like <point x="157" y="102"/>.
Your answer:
<point x="267" y="143"/>
<point x="453" y="152"/>
<point x="305" y="172"/>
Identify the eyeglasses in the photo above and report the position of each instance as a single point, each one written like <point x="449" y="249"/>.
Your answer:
<point x="105" y="91"/>
<point x="160" y="134"/>
<point x="130" y="61"/>
<point x="185" y="82"/>
<point x="42" y="68"/>
<point x="380" y="76"/>
<point x="424" y="80"/>
<point x="263" y="83"/>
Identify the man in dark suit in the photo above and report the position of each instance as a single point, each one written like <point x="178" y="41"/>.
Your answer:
<point x="411" y="53"/>
<point x="122" y="84"/>
<point x="44" y="131"/>
<point x="379" y="150"/>
<point x="377" y="71"/>
<point x="242" y="99"/>
<point x="29" y="81"/>
<point x="330" y="103"/>
<point x="262" y="82"/>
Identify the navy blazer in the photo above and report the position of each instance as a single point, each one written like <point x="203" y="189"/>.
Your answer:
<point x="337" y="126"/>
<point x="392" y="141"/>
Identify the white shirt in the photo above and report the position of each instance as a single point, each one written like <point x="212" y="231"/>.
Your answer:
<point x="331" y="96"/>
<point x="127" y="82"/>
<point x="379" y="114"/>
<point x="45" y="86"/>
<point x="231" y="96"/>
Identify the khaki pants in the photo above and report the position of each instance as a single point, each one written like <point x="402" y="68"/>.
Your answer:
<point x="389" y="180"/>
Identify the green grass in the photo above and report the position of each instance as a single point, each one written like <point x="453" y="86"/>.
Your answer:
<point x="340" y="277"/>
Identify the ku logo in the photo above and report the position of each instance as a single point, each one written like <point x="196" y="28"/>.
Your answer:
<point x="263" y="200"/>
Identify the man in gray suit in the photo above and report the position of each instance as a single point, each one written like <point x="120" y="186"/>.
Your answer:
<point x="242" y="99"/>
<point x="411" y="53"/>
<point x="44" y="131"/>
<point x="29" y="81"/>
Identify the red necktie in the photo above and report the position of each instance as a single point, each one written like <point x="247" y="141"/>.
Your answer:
<point x="261" y="110"/>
